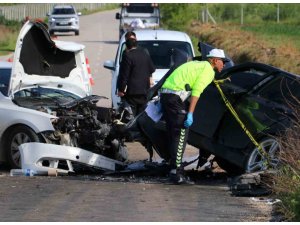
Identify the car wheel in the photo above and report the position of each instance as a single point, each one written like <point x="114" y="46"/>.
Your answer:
<point x="51" y="32"/>
<point x="256" y="162"/>
<point x="76" y="32"/>
<point x="16" y="137"/>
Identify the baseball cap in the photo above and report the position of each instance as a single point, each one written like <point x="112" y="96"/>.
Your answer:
<point x="217" y="53"/>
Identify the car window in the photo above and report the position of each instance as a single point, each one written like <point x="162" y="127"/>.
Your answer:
<point x="46" y="93"/>
<point x="139" y="9"/>
<point x="58" y="11"/>
<point x="161" y="51"/>
<point x="246" y="78"/>
<point x="283" y="90"/>
<point x="4" y="80"/>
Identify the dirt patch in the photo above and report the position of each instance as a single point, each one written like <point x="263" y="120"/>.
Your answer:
<point x="243" y="46"/>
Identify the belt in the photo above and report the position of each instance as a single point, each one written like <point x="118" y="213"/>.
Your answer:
<point x="182" y="94"/>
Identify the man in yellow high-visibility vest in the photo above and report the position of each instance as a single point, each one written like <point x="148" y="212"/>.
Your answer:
<point x="196" y="75"/>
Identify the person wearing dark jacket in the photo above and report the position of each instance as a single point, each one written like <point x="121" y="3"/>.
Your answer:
<point x="135" y="75"/>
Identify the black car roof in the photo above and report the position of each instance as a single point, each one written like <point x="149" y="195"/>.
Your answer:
<point x="262" y="66"/>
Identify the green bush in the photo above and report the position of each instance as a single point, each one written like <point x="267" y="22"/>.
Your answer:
<point x="179" y="16"/>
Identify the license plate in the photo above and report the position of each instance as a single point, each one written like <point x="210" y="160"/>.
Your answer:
<point x="63" y="23"/>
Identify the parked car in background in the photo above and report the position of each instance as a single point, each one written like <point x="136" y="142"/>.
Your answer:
<point x="264" y="98"/>
<point x="160" y="44"/>
<point x="46" y="97"/>
<point x="64" y="18"/>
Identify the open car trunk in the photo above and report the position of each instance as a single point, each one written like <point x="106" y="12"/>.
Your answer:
<point x="47" y="58"/>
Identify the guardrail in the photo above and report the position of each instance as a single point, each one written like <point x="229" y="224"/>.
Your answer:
<point x="39" y="10"/>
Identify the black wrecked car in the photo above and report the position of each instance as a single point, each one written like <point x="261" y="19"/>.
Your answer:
<point x="263" y="97"/>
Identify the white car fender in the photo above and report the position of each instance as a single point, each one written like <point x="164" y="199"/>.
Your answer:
<point x="13" y="114"/>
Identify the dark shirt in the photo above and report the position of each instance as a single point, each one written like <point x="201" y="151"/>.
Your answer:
<point x="135" y="71"/>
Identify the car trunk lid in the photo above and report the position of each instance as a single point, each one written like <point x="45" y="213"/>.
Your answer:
<point x="38" y="60"/>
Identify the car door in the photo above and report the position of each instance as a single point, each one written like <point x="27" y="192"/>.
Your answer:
<point x="211" y="113"/>
<point x="265" y="109"/>
<point x="210" y="107"/>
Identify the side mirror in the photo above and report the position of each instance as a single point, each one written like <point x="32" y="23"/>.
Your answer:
<point x="79" y="13"/>
<point x="118" y="16"/>
<point x="48" y="14"/>
<point x="109" y="65"/>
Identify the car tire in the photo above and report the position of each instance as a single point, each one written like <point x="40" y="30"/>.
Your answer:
<point x="76" y="32"/>
<point x="255" y="161"/>
<point x="51" y="32"/>
<point x="17" y="136"/>
<point x="231" y="169"/>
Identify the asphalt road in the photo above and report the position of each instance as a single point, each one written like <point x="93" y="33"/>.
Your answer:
<point x="120" y="198"/>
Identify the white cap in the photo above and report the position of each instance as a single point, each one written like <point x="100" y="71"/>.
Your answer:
<point x="216" y="53"/>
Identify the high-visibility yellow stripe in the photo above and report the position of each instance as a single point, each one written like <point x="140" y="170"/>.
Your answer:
<point x="233" y="112"/>
<point x="180" y="147"/>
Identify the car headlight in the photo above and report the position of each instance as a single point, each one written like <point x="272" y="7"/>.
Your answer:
<point x="52" y="20"/>
<point x="73" y="19"/>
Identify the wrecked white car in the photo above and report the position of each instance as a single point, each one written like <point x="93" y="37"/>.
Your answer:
<point x="49" y="99"/>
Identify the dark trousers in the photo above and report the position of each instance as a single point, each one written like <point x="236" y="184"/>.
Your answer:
<point x="136" y="102"/>
<point x="174" y="112"/>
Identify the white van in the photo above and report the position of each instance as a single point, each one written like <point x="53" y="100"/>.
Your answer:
<point x="160" y="44"/>
<point x="138" y="15"/>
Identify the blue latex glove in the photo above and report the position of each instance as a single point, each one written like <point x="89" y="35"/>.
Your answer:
<point x="189" y="120"/>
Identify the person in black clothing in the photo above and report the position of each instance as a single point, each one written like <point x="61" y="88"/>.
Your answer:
<point x="135" y="76"/>
<point x="130" y="35"/>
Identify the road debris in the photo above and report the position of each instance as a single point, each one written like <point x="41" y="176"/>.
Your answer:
<point x="249" y="184"/>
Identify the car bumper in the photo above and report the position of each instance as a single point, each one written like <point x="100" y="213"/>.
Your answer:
<point x="64" y="28"/>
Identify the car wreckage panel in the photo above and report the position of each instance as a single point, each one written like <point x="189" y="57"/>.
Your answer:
<point x="80" y="123"/>
<point x="42" y="157"/>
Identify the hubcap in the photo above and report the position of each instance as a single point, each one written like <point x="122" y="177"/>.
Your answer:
<point x="17" y="140"/>
<point x="257" y="162"/>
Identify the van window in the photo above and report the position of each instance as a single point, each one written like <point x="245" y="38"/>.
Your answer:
<point x="139" y="9"/>
<point x="161" y="51"/>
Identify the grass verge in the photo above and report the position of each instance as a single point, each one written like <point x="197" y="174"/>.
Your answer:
<point x="243" y="46"/>
<point x="8" y="37"/>
<point x="276" y="33"/>
<point x="286" y="182"/>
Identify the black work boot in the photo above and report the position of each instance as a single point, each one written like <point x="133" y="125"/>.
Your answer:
<point x="176" y="177"/>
